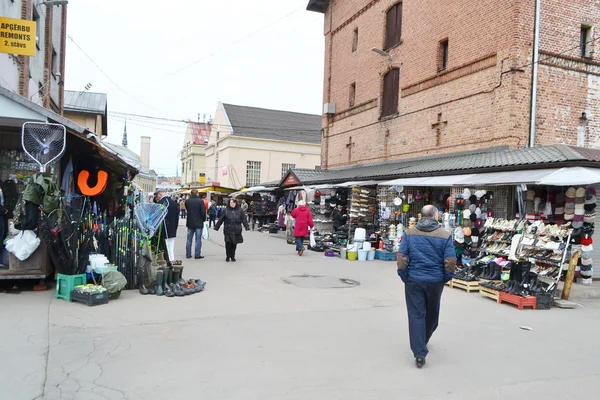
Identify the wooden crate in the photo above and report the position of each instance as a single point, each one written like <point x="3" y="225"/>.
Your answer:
<point x="490" y="293"/>
<point x="465" y="285"/>
<point x="520" y="301"/>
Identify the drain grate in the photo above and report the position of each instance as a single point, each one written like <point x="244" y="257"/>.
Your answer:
<point x="319" y="282"/>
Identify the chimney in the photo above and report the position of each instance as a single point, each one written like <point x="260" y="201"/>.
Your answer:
<point x="125" y="135"/>
<point x="145" y="152"/>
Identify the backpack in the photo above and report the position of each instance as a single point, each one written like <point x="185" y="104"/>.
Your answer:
<point x="51" y="193"/>
<point x="26" y="215"/>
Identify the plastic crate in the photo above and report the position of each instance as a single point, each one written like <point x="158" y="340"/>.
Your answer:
<point x="543" y="301"/>
<point x="66" y="283"/>
<point x="385" y="255"/>
<point x="91" y="300"/>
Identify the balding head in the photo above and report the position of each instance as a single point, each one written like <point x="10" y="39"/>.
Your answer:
<point x="429" y="211"/>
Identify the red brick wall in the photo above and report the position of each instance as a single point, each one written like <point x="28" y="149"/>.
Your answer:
<point x="24" y="60"/>
<point x="482" y="101"/>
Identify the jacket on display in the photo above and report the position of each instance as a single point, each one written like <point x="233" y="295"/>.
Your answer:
<point x="172" y="218"/>
<point x="196" y="212"/>
<point x="426" y="253"/>
<point x="303" y="220"/>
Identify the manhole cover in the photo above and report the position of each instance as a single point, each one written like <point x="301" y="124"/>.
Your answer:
<point x="320" y="282"/>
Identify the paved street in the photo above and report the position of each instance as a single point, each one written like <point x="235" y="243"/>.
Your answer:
<point x="250" y="335"/>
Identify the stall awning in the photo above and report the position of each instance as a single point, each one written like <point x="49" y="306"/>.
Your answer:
<point x="569" y="176"/>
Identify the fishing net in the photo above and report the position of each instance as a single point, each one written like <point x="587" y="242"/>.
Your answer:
<point x="44" y="143"/>
<point x="149" y="216"/>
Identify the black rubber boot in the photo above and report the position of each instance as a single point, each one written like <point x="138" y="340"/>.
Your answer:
<point x="178" y="274"/>
<point x="159" y="283"/>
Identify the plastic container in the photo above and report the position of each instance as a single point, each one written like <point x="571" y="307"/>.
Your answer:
<point x="91" y="300"/>
<point x="543" y="301"/>
<point x="360" y="234"/>
<point x="343" y="253"/>
<point x="352" y="255"/>
<point x="366" y="246"/>
<point x="385" y="255"/>
<point x="362" y="255"/>
<point x="66" y="283"/>
<point x="371" y="255"/>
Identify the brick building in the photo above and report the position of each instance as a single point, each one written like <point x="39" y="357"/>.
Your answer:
<point x="412" y="78"/>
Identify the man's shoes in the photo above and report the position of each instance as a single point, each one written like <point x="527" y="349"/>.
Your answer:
<point x="227" y="259"/>
<point x="199" y="258"/>
<point x="233" y="259"/>
<point x="420" y="362"/>
<point x="188" y="256"/>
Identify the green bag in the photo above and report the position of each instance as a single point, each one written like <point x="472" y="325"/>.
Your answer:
<point x="51" y="193"/>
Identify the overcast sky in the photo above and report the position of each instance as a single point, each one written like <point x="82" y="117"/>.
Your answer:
<point x="177" y="59"/>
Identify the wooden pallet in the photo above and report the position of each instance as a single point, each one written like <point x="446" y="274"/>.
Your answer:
<point x="465" y="285"/>
<point x="449" y="283"/>
<point x="490" y="293"/>
<point x="520" y="301"/>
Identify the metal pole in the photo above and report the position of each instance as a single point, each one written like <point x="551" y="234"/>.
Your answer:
<point x="534" y="78"/>
<point x="570" y="276"/>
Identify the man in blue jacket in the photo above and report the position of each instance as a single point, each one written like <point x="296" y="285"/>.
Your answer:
<point x="426" y="260"/>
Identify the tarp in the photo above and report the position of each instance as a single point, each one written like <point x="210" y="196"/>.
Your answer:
<point x="570" y="176"/>
<point x="506" y="178"/>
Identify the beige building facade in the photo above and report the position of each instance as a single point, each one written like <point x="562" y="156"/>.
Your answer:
<point x="249" y="146"/>
<point x="192" y="155"/>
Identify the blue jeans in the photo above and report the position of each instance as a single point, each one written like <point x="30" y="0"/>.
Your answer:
<point x="299" y="243"/>
<point x="190" y="236"/>
<point x="423" y="306"/>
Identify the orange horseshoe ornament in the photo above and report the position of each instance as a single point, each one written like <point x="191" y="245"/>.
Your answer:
<point x="82" y="183"/>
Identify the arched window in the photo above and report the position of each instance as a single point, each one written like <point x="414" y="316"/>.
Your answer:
<point x="391" y="88"/>
<point x="393" y="27"/>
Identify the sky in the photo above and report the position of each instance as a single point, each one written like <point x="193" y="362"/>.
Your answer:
<point x="178" y="60"/>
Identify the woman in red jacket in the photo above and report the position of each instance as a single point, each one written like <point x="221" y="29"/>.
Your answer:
<point x="303" y="221"/>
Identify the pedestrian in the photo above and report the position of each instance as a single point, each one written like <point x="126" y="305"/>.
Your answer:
<point x="426" y="261"/>
<point x="233" y="218"/>
<point x="339" y="218"/>
<point x="212" y="213"/>
<point x="196" y="215"/>
<point x="182" y="207"/>
<point x="244" y="206"/>
<point x="171" y="225"/>
<point x="303" y="222"/>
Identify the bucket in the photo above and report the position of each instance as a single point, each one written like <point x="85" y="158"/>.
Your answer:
<point x="352" y="255"/>
<point x="366" y="246"/>
<point x="362" y="255"/>
<point x="343" y="252"/>
<point x="371" y="255"/>
<point x="360" y="234"/>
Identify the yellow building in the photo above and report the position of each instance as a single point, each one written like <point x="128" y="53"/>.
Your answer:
<point x="250" y="145"/>
<point x="193" y="159"/>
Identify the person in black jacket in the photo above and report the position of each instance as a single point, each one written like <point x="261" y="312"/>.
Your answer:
<point x="212" y="213"/>
<point x="339" y="218"/>
<point x="171" y="224"/>
<point x="233" y="218"/>
<point x="196" y="215"/>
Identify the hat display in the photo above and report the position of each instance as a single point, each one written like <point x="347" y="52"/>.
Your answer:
<point x="466" y="194"/>
<point x="480" y="193"/>
<point x="580" y="192"/>
<point x="466" y="231"/>
<point x="560" y="198"/>
<point x="590" y="199"/>
<point x="589" y="217"/>
<point x="472" y="207"/>
<point x="591" y="190"/>
<point x="571" y="193"/>
<point x="579" y="210"/>
<point x="577" y="224"/>
<point x="580" y="200"/>
<point x="569" y="217"/>
<point x="459" y="244"/>
<point x="467" y="222"/>
<point x="478" y="212"/>
<point x="473" y="199"/>
<point x="559" y="210"/>
<point x="587" y="248"/>
<point x="589" y="207"/>
<point x="586" y="261"/>
<point x="467" y="214"/>
<point x="458" y="234"/>
<point x="586" y="240"/>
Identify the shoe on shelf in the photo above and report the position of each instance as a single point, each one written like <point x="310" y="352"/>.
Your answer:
<point x="420" y="362"/>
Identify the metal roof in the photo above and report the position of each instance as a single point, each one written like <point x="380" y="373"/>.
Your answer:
<point x="489" y="160"/>
<point x="318" y="5"/>
<point x="261" y="123"/>
<point x="85" y="102"/>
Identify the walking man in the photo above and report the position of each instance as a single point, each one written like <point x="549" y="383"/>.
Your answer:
<point x="196" y="215"/>
<point x="212" y="213"/>
<point x="426" y="261"/>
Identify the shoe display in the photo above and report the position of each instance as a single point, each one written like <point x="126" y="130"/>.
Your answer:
<point x="177" y="290"/>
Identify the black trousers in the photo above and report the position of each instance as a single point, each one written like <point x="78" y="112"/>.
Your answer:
<point x="423" y="306"/>
<point x="230" y="249"/>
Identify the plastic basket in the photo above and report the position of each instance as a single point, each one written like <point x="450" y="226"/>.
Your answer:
<point x="94" y="299"/>
<point x="66" y="283"/>
<point x="385" y="255"/>
<point x="543" y="301"/>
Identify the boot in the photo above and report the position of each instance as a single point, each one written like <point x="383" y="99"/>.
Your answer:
<point x="176" y="275"/>
<point x="159" y="283"/>
<point x="497" y="273"/>
<point x="179" y="270"/>
<point x="143" y="289"/>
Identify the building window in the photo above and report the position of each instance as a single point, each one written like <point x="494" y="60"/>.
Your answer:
<point x="54" y="62"/>
<point x="443" y="55"/>
<point x="391" y="89"/>
<point x="285" y="168"/>
<point x="182" y="167"/>
<point x="36" y="18"/>
<point x="352" y="94"/>
<point x="252" y="173"/>
<point x="586" y="41"/>
<point x="393" y="27"/>
<point x="355" y="40"/>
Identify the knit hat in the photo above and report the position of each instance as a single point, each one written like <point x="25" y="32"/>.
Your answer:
<point x="479" y="222"/>
<point x="473" y="199"/>
<point x="467" y="231"/>
<point x="467" y="203"/>
<point x="467" y="214"/>
<point x="580" y="200"/>
<point x="475" y="232"/>
<point x="591" y="190"/>
<point x="577" y="224"/>
<point x="590" y="199"/>
<point x="468" y="223"/>
<point x="571" y="193"/>
<point x="466" y="194"/>
<point x="559" y="210"/>
<point x="588" y="229"/>
<point x="586" y="240"/>
<point x="579" y="210"/>
<point x="589" y="207"/>
<point x="459" y="235"/>
<point x="589" y="217"/>
<point x="569" y="217"/>
<point x="472" y="207"/>
<point x="459" y="245"/>
<point x="480" y="193"/>
<point x="478" y="212"/>
<point x="587" y="248"/>
<point x="580" y="192"/>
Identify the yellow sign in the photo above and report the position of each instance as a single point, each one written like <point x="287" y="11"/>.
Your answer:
<point x="17" y="36"/>
<point x="202" y="178"/>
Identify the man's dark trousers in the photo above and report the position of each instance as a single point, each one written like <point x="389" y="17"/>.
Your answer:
<point x="423" y="306"/>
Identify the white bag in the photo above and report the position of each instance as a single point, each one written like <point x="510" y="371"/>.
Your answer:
<point x="23" y="245"/>
<point x="205" y="233"/>
<point x="313" y="242"/>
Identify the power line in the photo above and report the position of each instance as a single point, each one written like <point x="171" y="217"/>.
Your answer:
<point x="108" y="77"/>
<point x="227" y="46"/>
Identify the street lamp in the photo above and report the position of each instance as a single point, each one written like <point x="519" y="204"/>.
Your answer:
<point x="382" y="53"/>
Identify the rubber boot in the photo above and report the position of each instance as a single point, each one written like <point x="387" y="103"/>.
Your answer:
<point x="176" y="272"/>
<point x="159" y="283"/>
<point x="168" y="271"/>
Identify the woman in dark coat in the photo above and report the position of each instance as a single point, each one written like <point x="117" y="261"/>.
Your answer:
<point x="339" y="218"/>
<point x="233" y="218"/>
